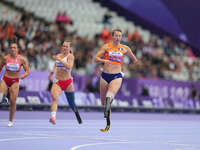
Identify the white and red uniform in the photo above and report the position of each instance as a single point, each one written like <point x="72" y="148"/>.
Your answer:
<point x="63" y="84"/>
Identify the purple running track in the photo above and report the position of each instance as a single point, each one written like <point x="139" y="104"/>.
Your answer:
<point x="129" y="131"/>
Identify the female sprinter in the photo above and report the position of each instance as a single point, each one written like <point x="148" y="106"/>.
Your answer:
<point x="111" y="54"/>
<point x="10" y="81"/>
<point x="63" y="81"/>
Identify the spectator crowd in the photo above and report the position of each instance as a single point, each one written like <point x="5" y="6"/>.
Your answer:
<point x="158" y="58"/>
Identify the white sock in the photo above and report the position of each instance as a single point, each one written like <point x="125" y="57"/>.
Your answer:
<point x="53" y="114"/>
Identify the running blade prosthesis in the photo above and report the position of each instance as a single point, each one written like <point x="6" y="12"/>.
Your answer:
<point x="106" y="129"/>
<point x="107" y="108"/>
<point x="108" y="123"/>
<point x="78" y="117"/>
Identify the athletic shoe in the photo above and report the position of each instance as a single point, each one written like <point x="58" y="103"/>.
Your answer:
<point x="52" y="120"/>
<point x="10" y="124"/>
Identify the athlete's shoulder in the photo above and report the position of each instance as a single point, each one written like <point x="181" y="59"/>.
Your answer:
<point x="125" y="47"/>
<point x="4" y="57"/>
<point x="71" y="55"/>
<point x="59" y="54"/>
<point x="107" y="45"/>
<point x="22" y="58"/>
<point x="110" y="44"/>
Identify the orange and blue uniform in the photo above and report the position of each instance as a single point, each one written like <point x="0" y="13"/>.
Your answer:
<point x="115" y="55"/>
<point x="12" y="65"/>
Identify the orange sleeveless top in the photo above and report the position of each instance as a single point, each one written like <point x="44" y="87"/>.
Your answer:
<point x="115" y="53"/>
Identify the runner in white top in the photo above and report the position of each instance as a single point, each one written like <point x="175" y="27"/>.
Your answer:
<point x="63" y="81"/>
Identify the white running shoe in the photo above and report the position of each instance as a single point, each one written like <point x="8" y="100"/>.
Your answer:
<point x="10" y="124"/>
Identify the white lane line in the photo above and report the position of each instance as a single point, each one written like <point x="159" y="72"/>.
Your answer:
<point x="94" y="144"/>
<point x="22" y="138"/>
<point x="119" y="141"/>
<point x="56" y="137"/>
<point x="126" y="142"/>
<point x="75" y="137"/>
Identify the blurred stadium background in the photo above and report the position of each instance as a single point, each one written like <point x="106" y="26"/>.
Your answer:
<point x="163" y="35"/>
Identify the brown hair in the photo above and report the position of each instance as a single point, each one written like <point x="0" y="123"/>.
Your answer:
<point x="13" y="40"/>
<point x="113" y="31"/>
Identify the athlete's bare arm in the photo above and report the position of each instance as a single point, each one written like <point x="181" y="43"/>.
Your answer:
<point x="70" y="61"/>
<point x="25" y="66"/>
<point x="100" y="53"/>
<point x="52" y="71"/>
<point x="2" y="62"/>
<point x="130" y="54"/>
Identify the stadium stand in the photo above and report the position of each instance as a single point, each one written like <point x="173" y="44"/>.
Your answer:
<point x="36" y="25"/>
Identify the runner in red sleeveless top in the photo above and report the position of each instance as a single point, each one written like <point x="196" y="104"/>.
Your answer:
<point x="10" y="81"/>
